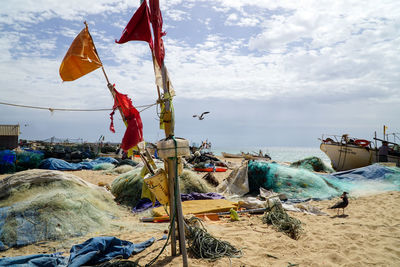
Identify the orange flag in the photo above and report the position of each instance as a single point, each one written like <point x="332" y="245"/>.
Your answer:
<point x="81" y="57"/>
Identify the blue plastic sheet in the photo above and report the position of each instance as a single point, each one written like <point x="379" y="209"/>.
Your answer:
<point x="100" y="249"/>
<point x="39" y="260"/>
<point x="93" y="251"/>
<point x="62" y="165"/>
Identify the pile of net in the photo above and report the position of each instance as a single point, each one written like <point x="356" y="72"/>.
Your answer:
<point x="127" y="188"/>
<point x="38" y="205"/>
<point x="300" y="184"/>
<point x="103" y="166"/>
<point x="312" y="164"/>
<point x="282" y="222"/>
<point x="203" y="245"/>
<point x="15" y="161"/>
<point x="295" y="183"/>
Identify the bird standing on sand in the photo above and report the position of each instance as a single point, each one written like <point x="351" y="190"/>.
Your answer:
<point x="341" y="204"/>
<point x="201" y="117"/>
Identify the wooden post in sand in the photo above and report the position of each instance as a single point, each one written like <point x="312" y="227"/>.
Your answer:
<point x="174" y="198"/>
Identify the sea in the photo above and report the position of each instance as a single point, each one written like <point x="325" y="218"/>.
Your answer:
<point x="280" y="154"/>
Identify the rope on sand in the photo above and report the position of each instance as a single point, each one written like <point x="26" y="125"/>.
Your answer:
<point x="204" y="245"/>
<point x="278" y="217"/>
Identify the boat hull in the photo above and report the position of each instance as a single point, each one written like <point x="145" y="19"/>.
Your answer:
<point x="347" y="157"/>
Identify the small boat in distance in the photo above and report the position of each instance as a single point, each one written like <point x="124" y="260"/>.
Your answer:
<point x="229" y="155"/>
<point x="348" y="153"/>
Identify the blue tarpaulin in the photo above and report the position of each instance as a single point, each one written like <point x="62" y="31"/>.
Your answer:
<point x="39" y="260"/>
<point x="62" y="165"/>
<point x="91" y="252"/>
<point x="100" y="249"/>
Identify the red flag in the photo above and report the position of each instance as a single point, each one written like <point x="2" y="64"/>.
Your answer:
<point x="134" y="130"/>
<point x="138" y="28"/>
<point x="157" y="22"/>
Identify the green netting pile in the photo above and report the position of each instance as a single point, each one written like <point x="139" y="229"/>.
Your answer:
<point x="40" y="205"/>
<point x="28" y="160"/>
<point x="282" y="222"/>
<point x="312" y="164"/>
<point x="127" y="188"/>
<point x="299" y="183"/>
<point x="295" y="183"/>
<point x="103" y="166"/>
<point x="190" y="181"/>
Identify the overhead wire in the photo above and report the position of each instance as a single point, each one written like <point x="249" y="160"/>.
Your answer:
<point x="71" y="109"/>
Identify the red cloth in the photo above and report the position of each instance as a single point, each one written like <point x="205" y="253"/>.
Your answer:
<point x="157" y="23"/>
<point x="134" y="130"/>
<point x="138" y="28"/>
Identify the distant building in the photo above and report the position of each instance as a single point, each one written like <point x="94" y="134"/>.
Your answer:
<point x="9" y="136"/>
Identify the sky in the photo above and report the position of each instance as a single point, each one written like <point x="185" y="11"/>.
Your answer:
<point x="271" y="73"/>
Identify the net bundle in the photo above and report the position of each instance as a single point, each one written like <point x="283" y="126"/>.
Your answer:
<point x="282" y="222"/>
<point x="203" y="245"/>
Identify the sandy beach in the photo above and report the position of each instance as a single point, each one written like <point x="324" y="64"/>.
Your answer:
<point x="369" y="235"/>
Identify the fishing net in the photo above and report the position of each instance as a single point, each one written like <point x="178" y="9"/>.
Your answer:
<point x="298" y="183"/>
<point x="127" y="188"/>
<point x="203" y="245"/>
<point x="50" y="205"/>
<point x="103" y="166"/>
<point x="190" y="182"/>
<point x="282" y="222"/>
<point x="120" y="169"/>
<point x="312" y="164"/>
<point x="7" y="161"/>
<point x="295" y="183"/>
<point x="28" y="159"/>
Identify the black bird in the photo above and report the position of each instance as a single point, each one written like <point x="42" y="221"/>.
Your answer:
<point x="201" y="117"/>
<point x="341" y="204"/>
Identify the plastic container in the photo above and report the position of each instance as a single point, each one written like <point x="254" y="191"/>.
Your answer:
<point x="166" y="148"/>
<point x="158" y="185"/>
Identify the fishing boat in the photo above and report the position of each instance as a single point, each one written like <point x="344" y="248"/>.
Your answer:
<point x="348" y="153"/>
<point x="255" y="156"/>
<point x="229" y="155"/>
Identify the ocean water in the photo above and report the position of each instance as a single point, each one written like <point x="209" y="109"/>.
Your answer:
<point x="282" y="154"/>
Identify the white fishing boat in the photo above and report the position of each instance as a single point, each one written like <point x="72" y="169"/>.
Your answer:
<point x="348" y="153"/>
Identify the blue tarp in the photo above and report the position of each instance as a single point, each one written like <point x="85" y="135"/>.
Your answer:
<point x="39" y="260"/>
<point x="100" y="249"/>
<point x="62" y="165"/>
<point x="93" y="251"/>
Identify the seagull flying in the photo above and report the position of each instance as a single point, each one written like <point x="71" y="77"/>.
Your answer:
<point x="201" y="117"/>
<point x="341" y="204"/>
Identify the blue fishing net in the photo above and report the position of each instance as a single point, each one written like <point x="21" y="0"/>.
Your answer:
<point x="7" y="161"/>
<point x="298" y="183"/>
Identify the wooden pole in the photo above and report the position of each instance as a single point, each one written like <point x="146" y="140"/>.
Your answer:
<point x="172" y="172"/>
